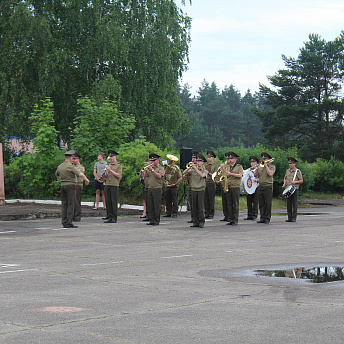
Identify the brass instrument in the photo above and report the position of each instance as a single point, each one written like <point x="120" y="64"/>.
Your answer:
<point x="190" y="164"/>
<point x="186" y="177"/>
<point x="171" y="170"/>
<point x="263" y="162"/>
<point x="218" y="176"/>
<point x="144" y="168"/>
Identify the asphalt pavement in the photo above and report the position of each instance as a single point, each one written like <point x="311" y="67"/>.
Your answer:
<point x="132" y="283"/>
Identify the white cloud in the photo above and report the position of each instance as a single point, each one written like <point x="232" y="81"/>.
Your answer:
<point x="240" y="43"/>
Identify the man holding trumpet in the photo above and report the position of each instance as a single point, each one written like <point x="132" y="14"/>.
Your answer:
<point x="233" y="173"/>
<point x="154" y="180"/>
<point x="265" y="175"/>
<point x="197" y="175"/>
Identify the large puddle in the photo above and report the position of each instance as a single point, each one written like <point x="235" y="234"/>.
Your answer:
<point x="317" y="274"/>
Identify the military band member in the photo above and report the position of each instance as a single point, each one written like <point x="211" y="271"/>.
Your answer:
<point x="193" y="161"/>
<point x="112" y="177"/>
<point x="78" y="188"/>
<point x="154" y="181"/>
<point x="144" y="191"/>
<point x="293" y="176"/>
<point x="252" y="199"/>
<point x="67" y="173"/>
<point x="233" y="172"/>
<point x="197" y="175"/>
<point x="172" y="178"/>
<point x="265" y="177"/>
<point x="210" y="189"/>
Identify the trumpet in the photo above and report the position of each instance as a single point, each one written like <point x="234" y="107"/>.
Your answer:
<point x="190" y="164"/>
<point x="144" y="168"/>
<point x="263" y="162"/>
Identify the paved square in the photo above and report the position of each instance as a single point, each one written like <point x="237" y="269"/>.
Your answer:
<point x="132" y="283"/>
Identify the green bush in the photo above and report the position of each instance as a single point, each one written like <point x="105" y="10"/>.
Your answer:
<point x="328" y="175"/>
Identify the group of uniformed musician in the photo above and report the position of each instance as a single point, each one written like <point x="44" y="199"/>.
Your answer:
<point x="201" y="174"/>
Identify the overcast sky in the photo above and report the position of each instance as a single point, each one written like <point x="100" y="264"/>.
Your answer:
<point x="241" y="42"/>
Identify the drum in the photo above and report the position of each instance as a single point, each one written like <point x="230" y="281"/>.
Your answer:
<point x="249" y="183"/>
<point x="288" y="191"/>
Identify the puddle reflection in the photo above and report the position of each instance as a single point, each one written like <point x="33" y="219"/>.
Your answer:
<point x="318" y="274"/>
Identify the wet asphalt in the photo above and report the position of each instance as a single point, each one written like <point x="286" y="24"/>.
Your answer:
<point x="132" y="283"/>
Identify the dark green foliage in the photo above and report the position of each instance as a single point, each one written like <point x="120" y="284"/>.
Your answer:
<point x="63" y="49"/>
<point x="219" y="118"/>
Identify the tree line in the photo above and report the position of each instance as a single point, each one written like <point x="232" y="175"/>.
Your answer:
<point x="112" y="67"/>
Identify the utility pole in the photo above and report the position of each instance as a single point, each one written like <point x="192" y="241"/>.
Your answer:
<point x="2" y="184"/>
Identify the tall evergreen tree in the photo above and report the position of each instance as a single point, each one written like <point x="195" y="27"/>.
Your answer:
<point x="306" y="102"/>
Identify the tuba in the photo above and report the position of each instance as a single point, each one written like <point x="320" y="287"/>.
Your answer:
<point x="171" y="170"/>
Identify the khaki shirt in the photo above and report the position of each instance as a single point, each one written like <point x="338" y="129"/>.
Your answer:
<point x="151" y="181"/>
<point x="67" y="173"/>
<point x="234" y="182"/>
<point x="196" y="182"/>
<point x="264" y="178"/>
<point x="213" y="168"/>
<point x="289" y="177"/>
<point x="110" y="179"/>
<point x="79" y="180"/>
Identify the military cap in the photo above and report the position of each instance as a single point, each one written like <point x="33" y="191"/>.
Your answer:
<point x="211" y="153"/>
<point x="153" y="156"/>
<point x="76" y="155"/>
<point x="200" y="157"/>
<point x="231" y="155"/>
<point x="292" y="160"/>
<point x="266" y="155"/>
<point x="112" y="152"/>
<point x="194" y="153"/>
<point x="253" y="158"/>
<point x="70" y="152"/>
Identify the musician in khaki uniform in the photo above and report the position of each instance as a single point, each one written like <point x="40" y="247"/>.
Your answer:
<point x="252" y="199"/>
<point x="293" y="176"/>
<point x="265" y="177"/>
<point x="210" y="189"/>
<point x="233" y="172"/>
<point x="172" y="178"/>
<point x="194" y="154"/>
<point x="78" y="188"/>
<point x="154" y="181"/>
<point x="67" y="173"/>
<point x="112" y="177"/>
<point x="197" y="175"/>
